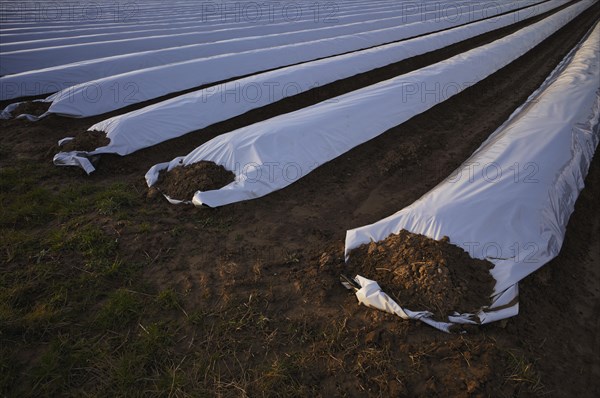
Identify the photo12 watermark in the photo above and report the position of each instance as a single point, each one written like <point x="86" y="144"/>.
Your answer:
<point x="270" y="172"/>
<point x="269" y="12"/>
<point x="253" y="92"/>
<point x="463" y="11"/>
<point x="69" y="11"/>
<point x="518" y="252"/>
<point x="418" y="91"/>
<point x="493" y="172"/>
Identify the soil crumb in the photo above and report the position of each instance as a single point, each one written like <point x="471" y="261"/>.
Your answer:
<point x="86" y="141"/>
<point x="424" y="274"/>
<point x="183" y="182"/>
<point x="31" y="108"/>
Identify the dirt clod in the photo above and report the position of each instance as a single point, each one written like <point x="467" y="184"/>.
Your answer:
<point x="86" y="141"/>
<point x="425" y="274"/>
<point x="31" y="108"/>
<point x="183" y="182"/>
<point x="152" y="194"/>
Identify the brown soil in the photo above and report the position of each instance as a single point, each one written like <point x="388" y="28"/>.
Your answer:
<point x="31" y="108"/>
<point x="424" y="274"/>
<point x="86" y="141"/>
<point x="284" y="251"/>
<point x="183" y="182"/>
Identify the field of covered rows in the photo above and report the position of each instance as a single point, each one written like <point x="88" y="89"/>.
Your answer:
<point x="294" y="198"/>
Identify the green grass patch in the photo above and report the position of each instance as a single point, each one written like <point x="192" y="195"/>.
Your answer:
<point x="120" y="309"/>
<point x="115" y="198"/>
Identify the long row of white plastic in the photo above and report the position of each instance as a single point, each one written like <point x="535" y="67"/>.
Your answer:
<point x="204" y="44"/>
<point x="114" y="92"/>
<point x="175" y="117"/>
<point x="16" y="42"/>
<point x="270" y="155"/>
<point x="510" y="202"/>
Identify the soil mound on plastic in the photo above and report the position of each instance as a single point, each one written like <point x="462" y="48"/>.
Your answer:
<point x="31" y="108"/>
<point x="424" y="274"/>
<point x="86" y="141"/>
<point x="182" y="182"/>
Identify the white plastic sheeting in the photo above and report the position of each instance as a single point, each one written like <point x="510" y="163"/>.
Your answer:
<point x="114" y="92"/>
<point x="270" y="155"/>
<point x="371" y="295"/>
<point x="19" y="19"/>
<point x="68" y="21"/>
<point x="46" y="22"/>
<point x="510" y="202"/>
<point x="7" y="113"/>
<point x="111" y="43"/>
<point x="175" y="117"/>
<point x="19" y="60"/>
<point x="56" y="78"/>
